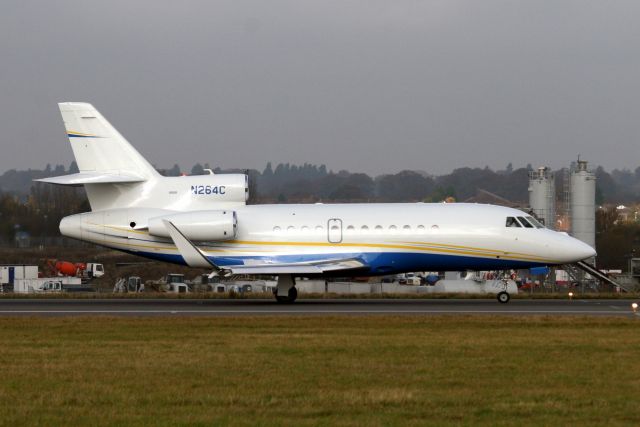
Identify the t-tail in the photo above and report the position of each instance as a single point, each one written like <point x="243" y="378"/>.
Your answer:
<point x="115" y="175"/>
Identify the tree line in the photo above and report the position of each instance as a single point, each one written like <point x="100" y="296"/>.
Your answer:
<point x="37" y="208"/>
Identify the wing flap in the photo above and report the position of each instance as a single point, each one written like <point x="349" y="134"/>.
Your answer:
<point x="274" y="269"/>
<point x="311" y="267"/>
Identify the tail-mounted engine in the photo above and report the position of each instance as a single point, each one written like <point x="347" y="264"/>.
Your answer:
<point x="198" y="225"/>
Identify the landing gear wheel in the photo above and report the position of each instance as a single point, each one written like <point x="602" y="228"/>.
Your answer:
<point x="503" y="297"/>
<point x="291" y="296"/>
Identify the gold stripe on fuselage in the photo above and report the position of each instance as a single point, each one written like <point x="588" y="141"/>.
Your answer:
<point x="414" y="246"/>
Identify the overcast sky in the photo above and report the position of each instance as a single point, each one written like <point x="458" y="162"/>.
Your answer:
<point x="374" y="86"/>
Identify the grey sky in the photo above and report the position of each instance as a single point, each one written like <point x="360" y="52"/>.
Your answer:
<point x="372" y="86"/>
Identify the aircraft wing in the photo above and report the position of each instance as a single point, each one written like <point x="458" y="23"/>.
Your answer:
<point x="194" y="257"/>
<point x="311" y="267"/>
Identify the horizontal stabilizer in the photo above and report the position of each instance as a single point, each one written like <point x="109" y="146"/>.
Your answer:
<point x="92" y="178"/>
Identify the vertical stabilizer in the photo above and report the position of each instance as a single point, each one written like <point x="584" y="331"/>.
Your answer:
<point x="98" y="146"/>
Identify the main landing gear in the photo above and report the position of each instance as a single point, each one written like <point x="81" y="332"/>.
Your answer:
<point x="286" y="291"/>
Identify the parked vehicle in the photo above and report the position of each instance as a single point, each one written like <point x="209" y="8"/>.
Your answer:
<point x="83" y="270"/>
<point x="409" y="279"/>
<point x="51" y="284"/>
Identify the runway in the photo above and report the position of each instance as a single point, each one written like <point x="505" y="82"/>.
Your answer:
<point x="302" y="307"/>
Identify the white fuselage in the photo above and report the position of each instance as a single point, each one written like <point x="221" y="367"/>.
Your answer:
<point x="389" y="238"/>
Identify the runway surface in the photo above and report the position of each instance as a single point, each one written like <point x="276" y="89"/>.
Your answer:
<point x="247" y="307"/>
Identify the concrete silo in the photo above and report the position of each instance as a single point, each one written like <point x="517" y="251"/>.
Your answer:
<point x="542" y="196"/>
<point x="582" y="208"/>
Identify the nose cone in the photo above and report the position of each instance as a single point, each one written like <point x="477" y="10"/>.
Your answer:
<point x="71" y="226"/>
<point x="574" y="250"/>
<point x="583" y="251"/>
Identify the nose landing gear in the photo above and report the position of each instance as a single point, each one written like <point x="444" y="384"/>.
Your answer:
<point x="504" y="297"/>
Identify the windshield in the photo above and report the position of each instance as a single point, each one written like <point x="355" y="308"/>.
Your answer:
<point x="524" y="222"/>
<point x="535" y="222"/>
<point x="511" y="222"/>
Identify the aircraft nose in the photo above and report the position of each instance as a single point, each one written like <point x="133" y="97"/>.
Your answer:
<point x="70" y="226"/>
<point x="586" y="251"/>
<point x="577" y="250"/>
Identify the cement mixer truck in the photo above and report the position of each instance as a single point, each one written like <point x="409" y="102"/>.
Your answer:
<point x="85" y="271"/>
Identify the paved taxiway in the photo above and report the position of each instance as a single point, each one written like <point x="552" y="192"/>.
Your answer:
<point x="244" y="307"/>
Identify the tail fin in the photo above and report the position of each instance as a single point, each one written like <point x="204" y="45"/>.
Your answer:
<point x="98" y="147"/>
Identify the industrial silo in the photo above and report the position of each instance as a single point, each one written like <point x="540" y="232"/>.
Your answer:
<point x="583" y="203"/>
<point x="542" y="196"/>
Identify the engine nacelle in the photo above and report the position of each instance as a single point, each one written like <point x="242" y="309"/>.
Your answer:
<point x="198" y="225"/>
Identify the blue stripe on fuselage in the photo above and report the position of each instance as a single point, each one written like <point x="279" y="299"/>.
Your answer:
<point x="380" y="263"/>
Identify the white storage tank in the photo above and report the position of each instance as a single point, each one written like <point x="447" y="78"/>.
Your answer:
<point x="542" y="196"/>
<point x="583" y="203"/>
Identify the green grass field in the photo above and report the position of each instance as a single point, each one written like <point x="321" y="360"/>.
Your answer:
<point x="314" y="370"/>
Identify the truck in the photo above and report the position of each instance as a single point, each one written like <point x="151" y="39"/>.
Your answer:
<point x="50" y="284"/>
<point x="172" y="282"/>
<point x="84" y="270"/>
<point x="176" y="283"/>
<point x="412" y="279"/>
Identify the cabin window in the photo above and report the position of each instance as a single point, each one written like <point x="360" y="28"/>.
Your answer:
<point x="291" y="229"/>
<point x="350" y="229"/>
<point x="277" y="230"/>
<point x="378" y="229"/>
<point x="525" y="222"/>
<point x="535" y="222"/>
<point x="304" y="229"/>
<point x="319" y="229"/>
<point x="511" y="222"/>
<point x="421" y="229"/>
<point x="364" y="228"/>
<point x="393" y="228"/>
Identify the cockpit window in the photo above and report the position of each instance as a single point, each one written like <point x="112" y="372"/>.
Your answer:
<point x="535" y="222"/>
<point x="511" y="222"/>
<point x="524" y="222"/>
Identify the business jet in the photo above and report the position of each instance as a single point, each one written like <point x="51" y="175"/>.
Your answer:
<point x="204" y="221"/>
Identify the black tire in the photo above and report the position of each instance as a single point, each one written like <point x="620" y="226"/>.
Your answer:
<point x="503" y="297"/>
<point x="289" y="298"/>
